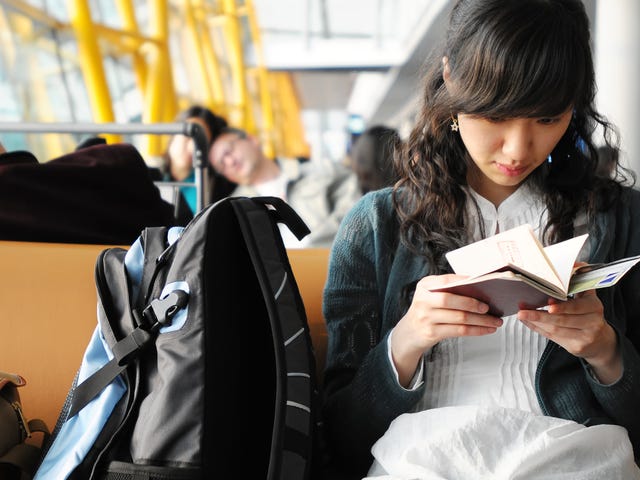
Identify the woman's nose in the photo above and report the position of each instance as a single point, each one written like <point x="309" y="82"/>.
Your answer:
<point x="518" y="141"/>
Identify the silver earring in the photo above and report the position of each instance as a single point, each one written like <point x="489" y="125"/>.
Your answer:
<point x="549" y="159"/>
<point x="454" y="124"/>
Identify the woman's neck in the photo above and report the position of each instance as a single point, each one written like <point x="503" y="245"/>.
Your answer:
<point x="493" y="192"/>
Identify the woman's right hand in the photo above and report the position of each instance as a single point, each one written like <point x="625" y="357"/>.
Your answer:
<point x="432" y="317"/>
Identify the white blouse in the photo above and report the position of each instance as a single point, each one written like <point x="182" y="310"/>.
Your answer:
<point x="498" y="369"/>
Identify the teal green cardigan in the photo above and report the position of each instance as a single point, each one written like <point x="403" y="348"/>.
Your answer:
<point x="366" y="294"/>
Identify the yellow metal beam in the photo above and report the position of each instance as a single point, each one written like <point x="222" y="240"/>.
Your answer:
<point x="210" y="65"/>
<point x="197" y="42"/>
<point x="262" y="102"/>
<point x="159" y="101"/>
<point x="90" y="59"/>
<point x="8" y="51"/>
<point x="32" y="90"/>
<point x="122" y="41"/>
<point x="35" y="14"/>
<point x="242" y="114"/>
<point x="290" y="137"/>
<point x="265" y="97"/>
<point x="127" y="14"/>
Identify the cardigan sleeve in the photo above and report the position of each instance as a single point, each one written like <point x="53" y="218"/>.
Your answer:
<point x="362" y="395"/>
<point x="620" y="400"/>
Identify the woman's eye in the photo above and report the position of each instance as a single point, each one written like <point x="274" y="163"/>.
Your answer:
<point x="547" y="120"/>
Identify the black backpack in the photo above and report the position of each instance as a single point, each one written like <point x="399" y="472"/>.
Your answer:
<point x="202" y="364"/>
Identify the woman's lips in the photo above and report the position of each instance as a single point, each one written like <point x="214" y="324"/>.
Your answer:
<point x="511" y="171"/>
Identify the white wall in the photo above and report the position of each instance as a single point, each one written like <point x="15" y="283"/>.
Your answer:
<point x="616" y="32"/>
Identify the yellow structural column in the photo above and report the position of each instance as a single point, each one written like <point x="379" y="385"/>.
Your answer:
<point x="90" y="59"/>
<point x="266" y="105"/>
<point x="242" y="114"/>
<point x="20" y="25"/>
<point x="198" y="42"/>
<point x="210" y="63"/>
<point x="130" y="24"/>
<point x="290" y="136"/>
<point x="160" y="98"/>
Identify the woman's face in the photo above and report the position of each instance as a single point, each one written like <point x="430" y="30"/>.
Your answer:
<point x="505" y="152"/>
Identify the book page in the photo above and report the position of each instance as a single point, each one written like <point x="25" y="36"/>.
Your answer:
<point x="517" y="247"/>
<point x="563" y="256"/>
<point x="600" y="276"/>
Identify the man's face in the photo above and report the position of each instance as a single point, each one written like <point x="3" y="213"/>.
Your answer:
<point x="235" y="157"/>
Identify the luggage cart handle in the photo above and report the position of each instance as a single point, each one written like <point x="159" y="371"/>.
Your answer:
<point x="190" y="129"/>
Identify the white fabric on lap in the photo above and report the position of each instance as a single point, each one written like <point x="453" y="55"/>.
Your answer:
<point x="467" y="442"/>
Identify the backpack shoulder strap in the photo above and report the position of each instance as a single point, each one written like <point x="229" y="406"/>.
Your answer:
<point x="295" y="362"/>
<point x="284" y="213"/>
<point x="154" y="244"/>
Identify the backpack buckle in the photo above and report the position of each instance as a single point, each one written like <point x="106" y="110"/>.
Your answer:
<point x="160" y="311"/>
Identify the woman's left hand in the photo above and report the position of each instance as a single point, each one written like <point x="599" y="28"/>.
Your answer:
<point x="578" y="325"/>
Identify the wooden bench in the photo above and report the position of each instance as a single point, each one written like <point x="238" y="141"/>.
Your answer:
<point x="48" y="312"/>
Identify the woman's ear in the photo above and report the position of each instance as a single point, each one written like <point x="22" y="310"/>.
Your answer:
<point x="446" y="71"/>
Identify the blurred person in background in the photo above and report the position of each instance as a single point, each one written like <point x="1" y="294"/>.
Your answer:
<point x="608" y="159"/>
<point x="320" y="195"/>
<point x="372" y="158"/>
<point x="178" y="158"/>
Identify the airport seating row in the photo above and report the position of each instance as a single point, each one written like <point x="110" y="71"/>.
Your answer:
<point x="48" y="313"/>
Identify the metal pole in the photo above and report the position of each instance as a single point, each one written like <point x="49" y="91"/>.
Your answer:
<point x="196" y="131"/>
<point x="97" y="128"/>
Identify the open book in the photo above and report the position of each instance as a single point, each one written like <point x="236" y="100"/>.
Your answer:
<point x="512" y="271"/>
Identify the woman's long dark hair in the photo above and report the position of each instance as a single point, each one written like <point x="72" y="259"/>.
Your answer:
<point x="507" y="59"/>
